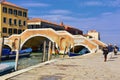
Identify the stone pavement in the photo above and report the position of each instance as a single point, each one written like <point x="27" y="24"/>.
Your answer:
<point x="89" y="67"/>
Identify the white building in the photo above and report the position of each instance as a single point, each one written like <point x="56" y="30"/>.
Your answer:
<point x="94" y="34"/>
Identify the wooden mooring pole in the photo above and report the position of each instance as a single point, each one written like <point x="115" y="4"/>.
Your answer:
<point x="49" y="50"/>
<point x="73" y="47"/>
<point x="64" y="52"/>
<point x="44" y="51"/>
<point x="53" y="48"/>
<point x="17" y="54"/>
<point x="1" y="45"/>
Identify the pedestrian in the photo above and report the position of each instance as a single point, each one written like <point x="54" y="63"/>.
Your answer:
<point x="105" y="53"/>
<point x="115" y="50"/>
<point x="110" y="48"/>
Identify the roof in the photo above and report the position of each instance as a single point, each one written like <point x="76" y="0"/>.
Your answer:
<point x="92" y="31"/>
<point x="34" y="20"/>
<point x="41" y="20"/>
<point x="69" y="27"/>
<point x="11" y="4"/>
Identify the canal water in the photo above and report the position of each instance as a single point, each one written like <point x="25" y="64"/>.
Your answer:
<point x="35" y="58"/>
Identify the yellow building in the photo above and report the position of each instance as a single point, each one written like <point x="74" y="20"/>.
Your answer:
<point x="13" y="19"/>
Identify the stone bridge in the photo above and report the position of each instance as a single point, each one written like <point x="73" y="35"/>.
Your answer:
<point x="35" y="38"/>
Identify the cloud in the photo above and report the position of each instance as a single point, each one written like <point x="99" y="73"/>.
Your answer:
<point x="60" y="12"/>
<point x="106" y="21"/>
<point x="115" y="3"/>
<point x="92" y="3"/>
<point x="56" y="18"/>
<point x="104" y="3"/>
<point x="35" y="4"/>
<point x="107" y="24"/>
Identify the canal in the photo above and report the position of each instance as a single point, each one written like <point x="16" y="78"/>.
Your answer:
<point x="33" y="59"/>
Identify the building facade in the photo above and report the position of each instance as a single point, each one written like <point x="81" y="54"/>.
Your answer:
<point x="94" y="34"/>
<point x="36" y="23"/>
<point x="13" y="19"/>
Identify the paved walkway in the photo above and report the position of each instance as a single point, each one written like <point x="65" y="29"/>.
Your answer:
<point x="89" y="67"/>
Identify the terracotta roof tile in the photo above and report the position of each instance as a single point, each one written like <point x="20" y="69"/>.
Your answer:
<point x="69" y="27"/>
<point x="11" y="4"/>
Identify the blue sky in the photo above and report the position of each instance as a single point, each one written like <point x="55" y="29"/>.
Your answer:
<point x="100" y="15"/>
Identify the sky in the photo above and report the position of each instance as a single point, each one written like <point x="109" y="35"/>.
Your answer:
<point x="100" y="15"/>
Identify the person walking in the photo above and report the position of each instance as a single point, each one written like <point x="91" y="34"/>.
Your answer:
<point x="105" y="53"/>
<point x="115" y="50"/>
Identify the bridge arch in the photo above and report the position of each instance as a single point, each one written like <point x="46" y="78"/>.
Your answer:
<point x="77" y="47"/>
<point x="7" y="46"/>
<point x="39" y="40"/>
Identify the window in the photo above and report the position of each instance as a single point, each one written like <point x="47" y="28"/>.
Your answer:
<point x="4" y="9"/>
<point x="4" y="30"/>
<point x="10" y="30"/>
<point x="19" y="31"/>
<point x="24" y="23"/>
<point x="19" y="23"/>
<point x="24" y="14"/>
<point x="19" y="13"/>
<point x="15" y="12"/>
<point x="4" y="20"/>
<point x="10" y="21"/>
<point x="29" y="26"/>
<point x="10" y="11"/>
<point x="15" y="22"/>
<point x="15" y="31"/>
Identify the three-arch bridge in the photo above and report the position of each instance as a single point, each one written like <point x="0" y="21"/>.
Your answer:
<point x="35" y="38"/>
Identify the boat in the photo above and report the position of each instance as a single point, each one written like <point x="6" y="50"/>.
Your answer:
<point x="82" y="52"/>
<point x="7" y="54"/>
<point x="70" y="54"/>
<point x="6" y="67"/>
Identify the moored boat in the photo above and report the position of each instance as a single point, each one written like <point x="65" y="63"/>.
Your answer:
<point x="6" y="67"/>
<point x="7" y="54"/>
<point x="82" y="52"/>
